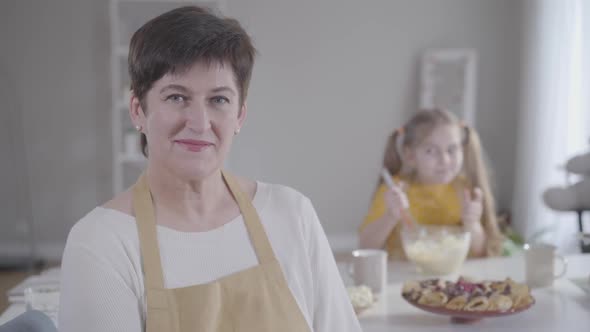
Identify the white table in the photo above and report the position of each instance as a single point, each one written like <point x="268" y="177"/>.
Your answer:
<point x="563" y="307"/>
<point x="17" y="302"/>
<point x="11" y="312"/>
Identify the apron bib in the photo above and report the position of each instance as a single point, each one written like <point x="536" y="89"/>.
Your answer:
<point x="257" y="299"/>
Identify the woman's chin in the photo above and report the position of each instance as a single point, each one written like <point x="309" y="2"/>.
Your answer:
<point x="194" y="170"/>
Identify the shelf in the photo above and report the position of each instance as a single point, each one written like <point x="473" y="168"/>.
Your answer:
<point x="122" y="51"/>
<point x="120" y="105"/>
<point x="131" y="159"/>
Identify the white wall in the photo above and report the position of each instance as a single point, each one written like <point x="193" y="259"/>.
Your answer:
<point x="56" y="56"/>
<point x="334" y="78"/>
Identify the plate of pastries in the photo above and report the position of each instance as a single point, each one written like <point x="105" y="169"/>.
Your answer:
<point x="467" y="299"/>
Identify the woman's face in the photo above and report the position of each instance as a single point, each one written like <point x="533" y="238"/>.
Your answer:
<point x="438" y="159"/>
<point x="191" y="118"/>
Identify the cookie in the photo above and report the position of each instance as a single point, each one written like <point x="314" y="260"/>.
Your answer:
<point x="478" y="303"/>
<point x="457" y="303"/>
<point x="433" y="299"/>
<point x="411" y="286"/>
<point x="499" y="302"/>
<point x="522" y="301"/>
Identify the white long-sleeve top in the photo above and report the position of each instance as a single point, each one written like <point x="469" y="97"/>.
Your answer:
<point x="102" y="286"/>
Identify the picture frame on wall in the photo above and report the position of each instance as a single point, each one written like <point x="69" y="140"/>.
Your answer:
<point x="449" y="81"/>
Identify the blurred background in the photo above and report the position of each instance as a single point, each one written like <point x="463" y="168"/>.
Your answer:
<point x="333" y="79"/>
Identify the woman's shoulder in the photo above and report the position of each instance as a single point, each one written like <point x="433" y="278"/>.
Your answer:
<point x="281" y="195"/>
<point x="104" y="241"/>
<point x="284" y="207"/>
<point x="108" y="237"/>
<point x="102" y="227"/>
<point x="289" y="217"/>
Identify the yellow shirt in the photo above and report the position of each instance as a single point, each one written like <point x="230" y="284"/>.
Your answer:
<point x="429" y="205"/>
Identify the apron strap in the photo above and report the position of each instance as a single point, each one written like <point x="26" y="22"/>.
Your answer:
<point x="148" y="236"/>
<point x="146" y="224"/>
<point x="252" y="222"/>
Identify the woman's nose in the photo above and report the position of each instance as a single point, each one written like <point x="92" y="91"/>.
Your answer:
<point x="198" y="118"/>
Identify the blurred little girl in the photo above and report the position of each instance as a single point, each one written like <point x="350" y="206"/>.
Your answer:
<point x="437" y="163"/>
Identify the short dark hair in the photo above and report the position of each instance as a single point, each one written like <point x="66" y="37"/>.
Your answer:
<point x="177" y="39"/>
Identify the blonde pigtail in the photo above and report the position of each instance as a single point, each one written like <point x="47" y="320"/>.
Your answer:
<point x="392" y="160"/>
<point x="477" y="176"/>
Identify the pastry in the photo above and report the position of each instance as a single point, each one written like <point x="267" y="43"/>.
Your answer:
<point x="411" y="286"/>
<point x="433" y="299"/>
<point x="499" y="302"/>
<point x="522" y="301"/>
<point x="457" y="303"/>
<point x="465" y="295"/>
<point x="478" y="303"/>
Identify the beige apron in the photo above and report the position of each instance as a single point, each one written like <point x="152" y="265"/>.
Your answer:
<point x="256" y="299"/>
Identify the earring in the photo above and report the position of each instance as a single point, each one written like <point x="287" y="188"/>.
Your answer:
<point x="138" y="128"/>
<point x="237" y="131"/>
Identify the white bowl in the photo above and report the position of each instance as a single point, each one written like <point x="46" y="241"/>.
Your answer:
<point x="436" y="250"/>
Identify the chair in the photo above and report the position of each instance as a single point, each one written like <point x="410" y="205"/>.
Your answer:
<point x="30" y="321"/>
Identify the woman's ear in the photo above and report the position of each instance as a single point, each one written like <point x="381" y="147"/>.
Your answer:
<point x="137" y="113"/>
<point x="242" y="115"/>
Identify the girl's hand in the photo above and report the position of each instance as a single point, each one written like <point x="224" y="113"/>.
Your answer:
<point x="396" y="201"/>
<point x="472" y="208"/>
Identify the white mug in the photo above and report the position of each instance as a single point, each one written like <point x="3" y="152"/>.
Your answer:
<point x="369" y="267"/>
<point x="540" y="265"/>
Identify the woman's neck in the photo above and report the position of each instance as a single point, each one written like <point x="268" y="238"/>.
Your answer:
<point x="183" y="200"/>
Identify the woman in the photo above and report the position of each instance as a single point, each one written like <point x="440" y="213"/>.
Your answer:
<point x="190" y="247"/>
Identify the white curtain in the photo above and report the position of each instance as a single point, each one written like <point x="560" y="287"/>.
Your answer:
<point x="554" y="121"/>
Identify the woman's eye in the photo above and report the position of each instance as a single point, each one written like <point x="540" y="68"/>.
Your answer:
<point x="220" y="100"/>
<point x="177" y="98"/>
